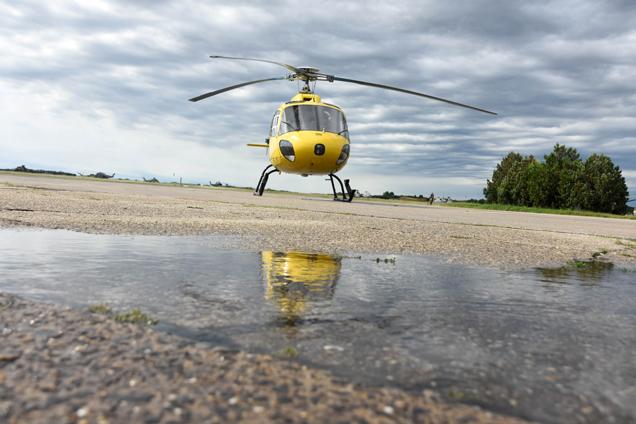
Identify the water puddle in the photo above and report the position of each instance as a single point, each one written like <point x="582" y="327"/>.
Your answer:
<point x="552" y="345"/>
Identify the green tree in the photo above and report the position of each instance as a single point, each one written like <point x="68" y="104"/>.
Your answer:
<point x="510" y="183"/>
<point x="518" y="177"/>
<point x="537" y="184"/>
<point x="579" y="194"/>
<point x="605" y="184"/>
<point x="497" y="190"/>
<point x="388" y="195"/>
<point x="562" y="181"/>
<point x="563" y="168"/>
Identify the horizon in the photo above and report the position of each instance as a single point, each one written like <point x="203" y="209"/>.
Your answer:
<point x="182" y="179"/>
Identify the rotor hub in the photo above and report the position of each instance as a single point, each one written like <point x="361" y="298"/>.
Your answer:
<point x="308" y="70"/>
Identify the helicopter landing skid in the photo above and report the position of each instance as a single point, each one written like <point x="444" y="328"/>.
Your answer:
<point x="262" y="182"/>
<point x="343" y="196"/>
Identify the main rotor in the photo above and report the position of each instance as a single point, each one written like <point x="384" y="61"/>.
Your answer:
<point x="308" y="74"/>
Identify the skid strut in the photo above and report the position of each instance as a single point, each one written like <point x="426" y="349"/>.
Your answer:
<point x="262" y="182"/>
<point x="342" y="196"/>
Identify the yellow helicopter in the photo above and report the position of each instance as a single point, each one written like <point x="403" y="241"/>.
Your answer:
<point x="295" y="279"/>
<point x="308" y="136"/>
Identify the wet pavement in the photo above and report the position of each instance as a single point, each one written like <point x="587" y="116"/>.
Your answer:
<point x="548" y="345"/>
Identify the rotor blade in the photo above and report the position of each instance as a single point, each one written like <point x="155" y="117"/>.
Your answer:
<point x="284" y="65"/>
<point x="415" y="93"/>
<point x="232" y="87"/>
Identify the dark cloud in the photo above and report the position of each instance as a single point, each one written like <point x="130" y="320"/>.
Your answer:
<point x="556" y="71"/>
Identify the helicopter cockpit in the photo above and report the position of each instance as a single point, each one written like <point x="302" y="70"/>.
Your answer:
<point x="313" y="118"/>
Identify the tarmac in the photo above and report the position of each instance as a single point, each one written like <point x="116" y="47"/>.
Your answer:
<point x="282" y="221"/>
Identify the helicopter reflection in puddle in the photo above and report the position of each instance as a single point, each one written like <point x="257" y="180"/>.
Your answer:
<point x="293" y="280"/>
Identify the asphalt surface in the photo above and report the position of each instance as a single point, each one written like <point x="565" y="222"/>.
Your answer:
<point x="280" y="221"/>
<point x="530" y="221"/>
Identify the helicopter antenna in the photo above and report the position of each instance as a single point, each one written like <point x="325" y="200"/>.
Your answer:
<point x="309" y="74"/>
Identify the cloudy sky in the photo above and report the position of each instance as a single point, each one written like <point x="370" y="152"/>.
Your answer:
<point x="103" y="86"/>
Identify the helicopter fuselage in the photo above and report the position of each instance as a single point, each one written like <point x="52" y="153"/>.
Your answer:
<point x="308" y="137"/>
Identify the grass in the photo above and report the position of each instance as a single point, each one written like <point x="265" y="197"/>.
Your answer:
<point x="456" y="394"/>
<point x="289" y="352"/>
<point x="514" y="208"/>
<point x="100" y="308"/>
<point x="394" y="200"/>
<point x="135" y="316"/>
<point x="580" y="264"/>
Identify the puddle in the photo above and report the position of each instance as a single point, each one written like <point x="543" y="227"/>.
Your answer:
<point x="550" y="345"/>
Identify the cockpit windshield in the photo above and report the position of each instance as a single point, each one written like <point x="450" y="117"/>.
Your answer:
<point x="313" y="118"/>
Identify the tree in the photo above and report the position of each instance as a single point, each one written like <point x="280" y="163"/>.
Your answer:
<point x="510" y="182"/>
<point x="605" y="184"/>
<point x="518" y="180"/>
<point x="562" y="181"/>
<point x="563" y="168"/>
<point x="537" y="184"/>
<point x="388" y="195"/>
<point x="497" y="190"/>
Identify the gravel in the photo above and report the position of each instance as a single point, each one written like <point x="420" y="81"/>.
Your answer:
<point x="63" y="365"/>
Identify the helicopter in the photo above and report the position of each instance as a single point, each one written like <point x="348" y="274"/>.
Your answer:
<point x="294" y="280"/>
<point x="308" y="136"/>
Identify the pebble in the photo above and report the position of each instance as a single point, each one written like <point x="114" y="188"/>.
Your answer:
<point x="82" y="412"/>
<point x="9" y="355"/>
<point x="333" y="347"/>
<point x="48" y="385"/>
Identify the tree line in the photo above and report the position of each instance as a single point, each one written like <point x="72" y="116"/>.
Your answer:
<point x="562" y="181"/>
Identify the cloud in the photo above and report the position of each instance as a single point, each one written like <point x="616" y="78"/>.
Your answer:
<point x="557" y="71"/>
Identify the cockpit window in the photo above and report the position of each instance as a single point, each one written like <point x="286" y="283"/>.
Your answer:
<point x="313" y="118"/>
<point x="274" y="126"/>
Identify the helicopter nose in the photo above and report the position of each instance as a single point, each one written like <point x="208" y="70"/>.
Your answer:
<point x="319" y="149"/>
